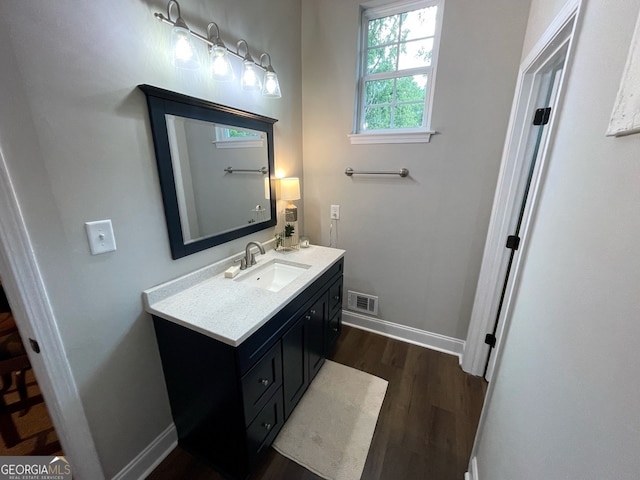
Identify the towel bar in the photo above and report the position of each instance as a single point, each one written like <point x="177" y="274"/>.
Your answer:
<point x="262" y="170"/>
<point x="403" y="172"/>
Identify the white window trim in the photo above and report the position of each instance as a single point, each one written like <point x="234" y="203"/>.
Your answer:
<point x="224" y="141"/>
<point x="394" y="137"/>
<point x="422" y="134"/>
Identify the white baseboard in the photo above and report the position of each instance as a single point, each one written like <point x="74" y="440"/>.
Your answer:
<point x="472" y="474"/>
<point x="434" y="341"/>
<point x="148" y="459"/>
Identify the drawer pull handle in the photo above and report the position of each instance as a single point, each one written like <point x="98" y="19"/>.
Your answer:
<point x="336" y="298"/>
<point x="335" y="329"/>
<point x="267" y="426"/>
<point x="313" y="312"/>
<point x="264" y="381"/>
<point x="308" y="317"/>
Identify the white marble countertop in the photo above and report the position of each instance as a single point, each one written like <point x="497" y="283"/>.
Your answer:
<point x="227" y="309"/>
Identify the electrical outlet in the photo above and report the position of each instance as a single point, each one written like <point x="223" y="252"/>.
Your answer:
<point x="335" y="212"/>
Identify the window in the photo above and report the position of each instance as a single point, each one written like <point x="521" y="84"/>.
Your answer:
<point x="237" y="138"/>
<point x="398" y="55"/>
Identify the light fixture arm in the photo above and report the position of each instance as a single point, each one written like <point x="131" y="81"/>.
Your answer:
<point x="217" y="41"/>
<point x="247" y="56"/>
<point x="213" y="24"/>
<point x="267" y="67"/>
<point x="179" y="22"/>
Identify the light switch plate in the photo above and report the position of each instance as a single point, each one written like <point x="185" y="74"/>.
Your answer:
<point x="100" y="236"/>
<point x="335" y="212"/>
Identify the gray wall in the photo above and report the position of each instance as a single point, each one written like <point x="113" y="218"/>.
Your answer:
<point x="416" y="242"/>
<point x="74" y="131"/>
<point x="564" y="401"/>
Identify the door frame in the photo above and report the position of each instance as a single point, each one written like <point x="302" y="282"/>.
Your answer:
<point x="506" y="205"/>
<point x="35" y="319"/>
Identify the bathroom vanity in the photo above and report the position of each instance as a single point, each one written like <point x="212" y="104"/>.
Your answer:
<point x="238" y="354"/>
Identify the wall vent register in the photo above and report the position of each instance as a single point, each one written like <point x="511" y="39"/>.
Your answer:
<point x="361" y="302"/>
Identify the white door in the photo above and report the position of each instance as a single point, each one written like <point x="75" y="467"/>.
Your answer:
<point x="35" y="320"/>
<point x="538" y="135"/>
<point x="539" y="87"/>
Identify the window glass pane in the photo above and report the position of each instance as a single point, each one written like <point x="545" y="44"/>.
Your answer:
<point x="416" y="53"/>
<point x="382" y="31"/>
<point x="382" y="59"/>
<point x="419" y="23"/>
<point x="408" y="115"/>
<point x="234" y="132"/>
<point x="378" y="91"/>
<point x="411" y="89"/>
<point x="376" y="118"/>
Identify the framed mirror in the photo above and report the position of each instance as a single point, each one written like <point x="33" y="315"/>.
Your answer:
<point x="215" y="165"/>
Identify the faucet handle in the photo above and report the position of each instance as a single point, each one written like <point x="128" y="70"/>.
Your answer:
<point x="253" y="259"/>
<point x="243" y="263"/>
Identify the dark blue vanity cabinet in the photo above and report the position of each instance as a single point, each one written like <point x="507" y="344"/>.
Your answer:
<point x="229" y="403"/>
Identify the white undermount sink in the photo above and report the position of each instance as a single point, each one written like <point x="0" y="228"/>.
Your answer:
<point x="273" y="275"/>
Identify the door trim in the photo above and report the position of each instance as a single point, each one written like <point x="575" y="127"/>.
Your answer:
<point x="34" y="318"/>
<point x="505" y="206"/>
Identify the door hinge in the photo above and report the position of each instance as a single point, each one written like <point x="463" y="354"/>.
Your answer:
<point x="542" y="116"/>
<point x="513" y="242"/>
<point x="490" y="339"/>
<point x="34" y="345"/>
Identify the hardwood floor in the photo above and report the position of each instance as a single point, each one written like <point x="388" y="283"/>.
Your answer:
<point x="426" y="426"/>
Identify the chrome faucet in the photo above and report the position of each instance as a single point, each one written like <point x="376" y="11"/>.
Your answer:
<point x="250" y="258"/>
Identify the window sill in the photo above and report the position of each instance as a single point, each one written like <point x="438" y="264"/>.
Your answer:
<point x="372" y="138"/>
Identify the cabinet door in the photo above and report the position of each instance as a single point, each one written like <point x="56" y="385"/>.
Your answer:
<point x="332" y="332"/>
<point x="295" y="365"/>
<point x="316" y="318"/>
<point x="335" y="297"/>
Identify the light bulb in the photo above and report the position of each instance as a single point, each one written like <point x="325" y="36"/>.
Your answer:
<point x="250" y="79"/>
<point x="220" y="64"/>
<point x="184" y="52"/>
<point x="271" y="86"/>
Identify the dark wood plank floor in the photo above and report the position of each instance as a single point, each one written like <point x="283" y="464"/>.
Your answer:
<point x="426" y="426"/>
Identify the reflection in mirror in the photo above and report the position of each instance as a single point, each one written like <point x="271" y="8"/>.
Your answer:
<point x="212" y="164"/>
<point x="215" y="165"/>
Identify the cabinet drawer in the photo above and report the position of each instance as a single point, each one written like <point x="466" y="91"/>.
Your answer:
<point x="260" y="383"/>
<point x="335" y="296"/>
<point x="265" y="427"/>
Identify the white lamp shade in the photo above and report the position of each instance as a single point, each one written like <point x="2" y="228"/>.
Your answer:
<point x="267" y="188"/>
<point x="290" y="188"/>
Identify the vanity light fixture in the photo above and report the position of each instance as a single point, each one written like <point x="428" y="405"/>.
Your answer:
<point x="183" y="51"/>
<point x="250" y="79"/>
<point x="221" y="68"/>
<point x="255" y="76"/>
<point x="270" y="86"/>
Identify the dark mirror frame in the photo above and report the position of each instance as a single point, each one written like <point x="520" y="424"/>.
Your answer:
<point x="162" y="102"/>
